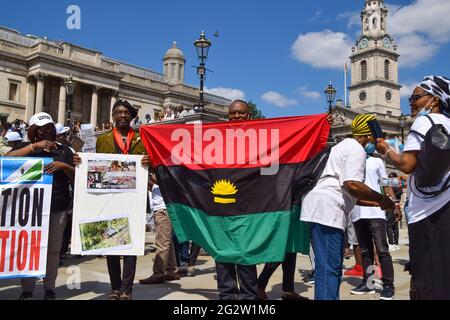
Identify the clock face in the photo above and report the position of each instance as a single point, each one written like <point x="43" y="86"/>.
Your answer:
<point x="387" y="43"/>
<point x="363" y="44"/>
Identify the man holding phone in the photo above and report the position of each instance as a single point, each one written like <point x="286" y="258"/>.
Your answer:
<point x="327" y="206"/>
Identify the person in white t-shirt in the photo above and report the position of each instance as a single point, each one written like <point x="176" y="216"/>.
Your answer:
<point x="428" y="217"/>
<point x="165" y="265"/>
<point x="326" y="207"/>
<point x="370" y="227"/>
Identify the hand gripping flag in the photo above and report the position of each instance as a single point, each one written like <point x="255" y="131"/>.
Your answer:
<point x="230" y="187"/>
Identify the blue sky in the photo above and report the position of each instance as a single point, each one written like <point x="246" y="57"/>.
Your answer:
<point x="254" y="56"/>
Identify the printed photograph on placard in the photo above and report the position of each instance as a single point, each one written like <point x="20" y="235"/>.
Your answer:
<point x="105" y="176"/>
<point x="102" y="235"/>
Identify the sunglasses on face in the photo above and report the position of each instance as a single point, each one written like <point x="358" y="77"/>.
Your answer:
<point x="414" y="98"/>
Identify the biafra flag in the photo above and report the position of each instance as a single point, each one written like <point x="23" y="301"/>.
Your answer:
<point x="230" y="187"/>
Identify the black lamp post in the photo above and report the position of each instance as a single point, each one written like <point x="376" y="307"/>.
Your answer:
<point x="402" y="123"/>
<point x="70" y="89"/>
<point x="202" y="45"/>
<point x="330" y="93"/>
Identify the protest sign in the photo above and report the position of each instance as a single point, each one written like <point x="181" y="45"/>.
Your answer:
<point x="107" y="176"/>
<point x="87" y="134"/>
<point x="25" y="196"/>
<point x="110" y="200"/>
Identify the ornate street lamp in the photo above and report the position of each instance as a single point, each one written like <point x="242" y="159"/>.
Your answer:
<point x="330" y="93"/>
<point x="70" y="89"/>
<point x="202" y="45"/>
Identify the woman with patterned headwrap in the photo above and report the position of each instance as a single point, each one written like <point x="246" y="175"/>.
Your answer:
<point x="428" y="216"/>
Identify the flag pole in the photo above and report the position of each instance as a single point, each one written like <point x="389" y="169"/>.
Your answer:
<point x="345" y="84"/>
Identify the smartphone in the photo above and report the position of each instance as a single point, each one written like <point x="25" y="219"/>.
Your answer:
<point x="376" y="130"/>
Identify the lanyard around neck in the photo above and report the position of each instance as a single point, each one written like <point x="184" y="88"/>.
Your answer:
<point x="118" y="139"/>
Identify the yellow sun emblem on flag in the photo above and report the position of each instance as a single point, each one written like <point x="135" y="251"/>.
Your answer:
<point x="224" y="190"/>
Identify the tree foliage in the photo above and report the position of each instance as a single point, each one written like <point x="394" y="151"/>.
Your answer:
<point x="254" y="111"/>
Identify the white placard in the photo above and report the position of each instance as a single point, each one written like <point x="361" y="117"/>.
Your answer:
<point x="87" y="134"/>
<point x="109" y="223"/>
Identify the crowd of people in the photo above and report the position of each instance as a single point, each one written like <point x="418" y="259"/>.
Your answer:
<point x="349" y="203"/>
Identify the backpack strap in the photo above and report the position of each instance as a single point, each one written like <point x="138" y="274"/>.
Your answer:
<point x="434" y="194"/>
<point x="418" y="133"/>
<point x="431" y="120"/>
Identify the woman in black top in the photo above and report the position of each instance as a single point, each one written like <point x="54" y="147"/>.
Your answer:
<point x="42" y="136"/>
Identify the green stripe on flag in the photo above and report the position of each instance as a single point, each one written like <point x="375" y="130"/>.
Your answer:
<point x="34" y="174"/>
<point x="299" y="233"/>
<point x="245" y="239"/>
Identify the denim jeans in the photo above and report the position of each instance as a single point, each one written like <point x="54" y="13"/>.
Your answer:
<point x="328" y="249"/>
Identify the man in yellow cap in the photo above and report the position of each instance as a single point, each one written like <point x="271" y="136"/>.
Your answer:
<point x="326" y="207"/>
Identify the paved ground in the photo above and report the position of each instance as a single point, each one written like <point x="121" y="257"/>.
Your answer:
<point x="87" y="279"/>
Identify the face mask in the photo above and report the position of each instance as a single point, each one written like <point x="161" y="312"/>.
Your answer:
<point x="424" y="111"/>
<point x="369" y="148"/>
<point x="392" y="142"/>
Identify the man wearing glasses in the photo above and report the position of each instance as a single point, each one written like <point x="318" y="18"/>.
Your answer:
<point x="121" y="140"/>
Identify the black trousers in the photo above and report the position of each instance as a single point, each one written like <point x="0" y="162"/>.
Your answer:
<point x="430" y="256"/>
<point x="288" y="266"/>
<point x="228" y="276"/>
<point x="368" y="232"/>
<point x="193" y="255"/>
<point x="122" y="282"/>
<point x="392" y="228"/>
<point x="67" y="236"/>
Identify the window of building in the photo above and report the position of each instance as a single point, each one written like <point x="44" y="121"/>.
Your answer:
<point x="166" y="70"/>
<point x="387" y="67"/>
<point x="362" y="96"/>
<point x="363" y="70"/>
<point x="388" y="96"/>
<point x="13" y="91"/>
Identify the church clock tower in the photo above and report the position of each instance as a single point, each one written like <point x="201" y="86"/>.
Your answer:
<point x="374" y="65"/>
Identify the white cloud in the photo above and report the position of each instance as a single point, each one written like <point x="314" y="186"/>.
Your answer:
<point x="428" y="17"/>
<point x="303" y="91"/>
<point x="407" y="89"/>
<point x="278" y="99"/>
<point x="232" y="94"/>
<point x="354" y="18"/>
<point x="419" y="30"/>
<point x="325" y="49"/>
<point x="316" y="16"/>
<point x="415" y="49"/>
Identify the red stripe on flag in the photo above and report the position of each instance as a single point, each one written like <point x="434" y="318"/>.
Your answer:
<point x="246" y="144"/>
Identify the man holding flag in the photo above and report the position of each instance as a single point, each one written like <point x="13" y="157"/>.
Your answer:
<point x="230" y="187"/>
<point x="229" y="274"/>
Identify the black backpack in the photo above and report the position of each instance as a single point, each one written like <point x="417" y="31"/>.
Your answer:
<point x="308" y="173"/>
<point x="434" y="159"/>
